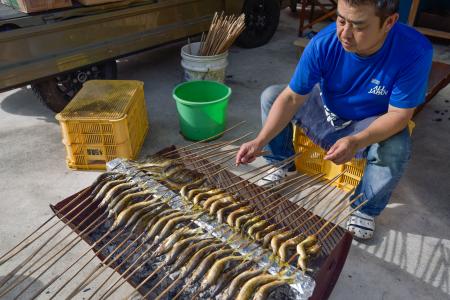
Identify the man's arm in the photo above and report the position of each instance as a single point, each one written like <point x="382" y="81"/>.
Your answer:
<point x="392" y="122"/>
<point x="281" y="113"/>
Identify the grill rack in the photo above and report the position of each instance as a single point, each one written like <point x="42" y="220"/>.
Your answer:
<point x="327" y="267"/>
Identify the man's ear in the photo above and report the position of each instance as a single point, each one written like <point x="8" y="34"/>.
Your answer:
<point x="390" y="22"/>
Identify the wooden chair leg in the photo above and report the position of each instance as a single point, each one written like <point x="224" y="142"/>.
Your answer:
<point x="303" y="4"/>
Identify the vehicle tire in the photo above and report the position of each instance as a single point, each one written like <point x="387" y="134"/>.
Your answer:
<point x="56" y="92"/>
<point x="261" y="22"/>
<point x="293" y="5"/>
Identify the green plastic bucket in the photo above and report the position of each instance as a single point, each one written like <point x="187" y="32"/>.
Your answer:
<point x="202" y="108"/>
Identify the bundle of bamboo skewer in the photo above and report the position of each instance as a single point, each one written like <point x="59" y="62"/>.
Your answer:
<point x="224" y="30"/>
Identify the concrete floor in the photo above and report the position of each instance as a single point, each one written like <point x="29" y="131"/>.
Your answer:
<point x="409" y="258"/>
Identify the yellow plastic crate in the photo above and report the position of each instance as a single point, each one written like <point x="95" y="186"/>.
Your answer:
<point x="107" y="119"/>
<point x="311" y="162"/>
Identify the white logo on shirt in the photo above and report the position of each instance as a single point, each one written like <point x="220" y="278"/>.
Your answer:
<point x="379" y="90"/>
<point x="375" y="81"/>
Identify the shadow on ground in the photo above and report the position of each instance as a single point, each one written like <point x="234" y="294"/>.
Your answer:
<point x="23" y="102"/>
<point x="27" y="294"/>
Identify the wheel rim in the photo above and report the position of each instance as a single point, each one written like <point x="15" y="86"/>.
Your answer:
<point x="256" y="20"/>
<point x="70" y="84"/>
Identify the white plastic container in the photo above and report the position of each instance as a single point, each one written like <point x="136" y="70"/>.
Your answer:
<point x="202" y="67"/>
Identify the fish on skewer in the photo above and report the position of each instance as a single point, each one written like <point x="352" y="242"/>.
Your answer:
<point x="121" y="195"/>
<point x="175" y="223"/>
<point x="211" y="200"/>
<point x="202" y="196"/>
<point x="110" y="184"/>
<point x="231" y="219"/>
<point x="175" y="237"/>
<point x="129" y="198"/>
<point x="284" y="251"/>
<point x="182" y="178"/>
<point x="225" y="279"/>
<point x="249" y="288"/>
<point x="114" y="191"/>
<point x="264" y="291"/>
<point x="223" y="213"/>
<point x="126" y="214"/>
<point x="237" y="283"/>
<point x="189" y="190"/>
<point x="217" y="270"/>
<point x="168" y="243"/>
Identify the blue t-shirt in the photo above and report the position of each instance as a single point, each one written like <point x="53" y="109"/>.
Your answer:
<point x="355" y="87"/>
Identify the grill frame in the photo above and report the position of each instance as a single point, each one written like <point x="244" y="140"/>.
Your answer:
<point x="327" y="266"/>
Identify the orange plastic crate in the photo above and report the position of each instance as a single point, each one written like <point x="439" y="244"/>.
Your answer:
<point x="107" y="119"/>
<point x="311" y="162"/>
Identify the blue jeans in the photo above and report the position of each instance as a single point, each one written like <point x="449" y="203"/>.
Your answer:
<point x="386" y="160"/>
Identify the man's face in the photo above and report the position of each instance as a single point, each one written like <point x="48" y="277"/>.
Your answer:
<point x="359" y="30"/>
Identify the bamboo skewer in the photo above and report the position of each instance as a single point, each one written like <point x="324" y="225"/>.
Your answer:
<point x="150" y="276"/>
<point x="308" y="184"/>
<point x="324" y="215"/>
<point x="334" y="216"/>
<point x="109" y="231"/>
<point x="126" y="276"/>
<point x="29" y="258"/>
<point x="131" y="254"/>
<point x="102" y="266"/>
<point x="312" y="202"/>
<point x="198" y="148"/>
<point x="162" y="265"/>
<point x="48" y="229"/>
<point x="343" y="218"/>
<point x="80" y="269"/>
<point x="4" y="260"/>
<point x="111" y="291"/>
<point x="319" y="190"/>
<point x="77" y="260"/>
<point x="248" y="255"/>
<point x="222" y="224"/>
<point x="145" y="261"/>
<point x="154" y="272"/>
<point x="19" y="281"/>
<point x="216" y="162"/>
<point x="40" y="248"/>
<point x="246" y="244"/>
<point x="206" y="148"/>
<point x="205" y="140"/>
<point x="116" y="268"/>
<point x="335" y="226"/>
<point x="337" y="212"/>
<point x="217" y="154"/>
<point x="275" y="167"/>
<point x="166" y="275"/>
<point x="99" y="179"/>
<point x="58" y="258"/>
<point x="211" y="150"/>
<point x="221" y="35"/>
<point x="86" y="281"/>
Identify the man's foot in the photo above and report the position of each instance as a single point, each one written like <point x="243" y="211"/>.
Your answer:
<point x="275" y="175"/>
<point x="361" y="225"/>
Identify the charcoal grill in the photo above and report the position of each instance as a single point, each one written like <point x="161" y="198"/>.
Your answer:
<point x="327" y="267"/>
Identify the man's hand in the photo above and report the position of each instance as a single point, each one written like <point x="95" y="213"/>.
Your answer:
<point x="248" y="152"/>
<point x="343" y="150"/>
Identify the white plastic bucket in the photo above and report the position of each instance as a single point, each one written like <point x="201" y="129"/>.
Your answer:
<point x="202" y="67"/>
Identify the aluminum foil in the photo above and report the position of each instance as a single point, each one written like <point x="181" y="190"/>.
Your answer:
<point x="302" y="285"/>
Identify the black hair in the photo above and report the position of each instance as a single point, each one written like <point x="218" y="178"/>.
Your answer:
<point x="383" y="8"/>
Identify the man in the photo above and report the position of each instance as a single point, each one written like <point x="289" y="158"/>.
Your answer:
<point x="353" y="92"/>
